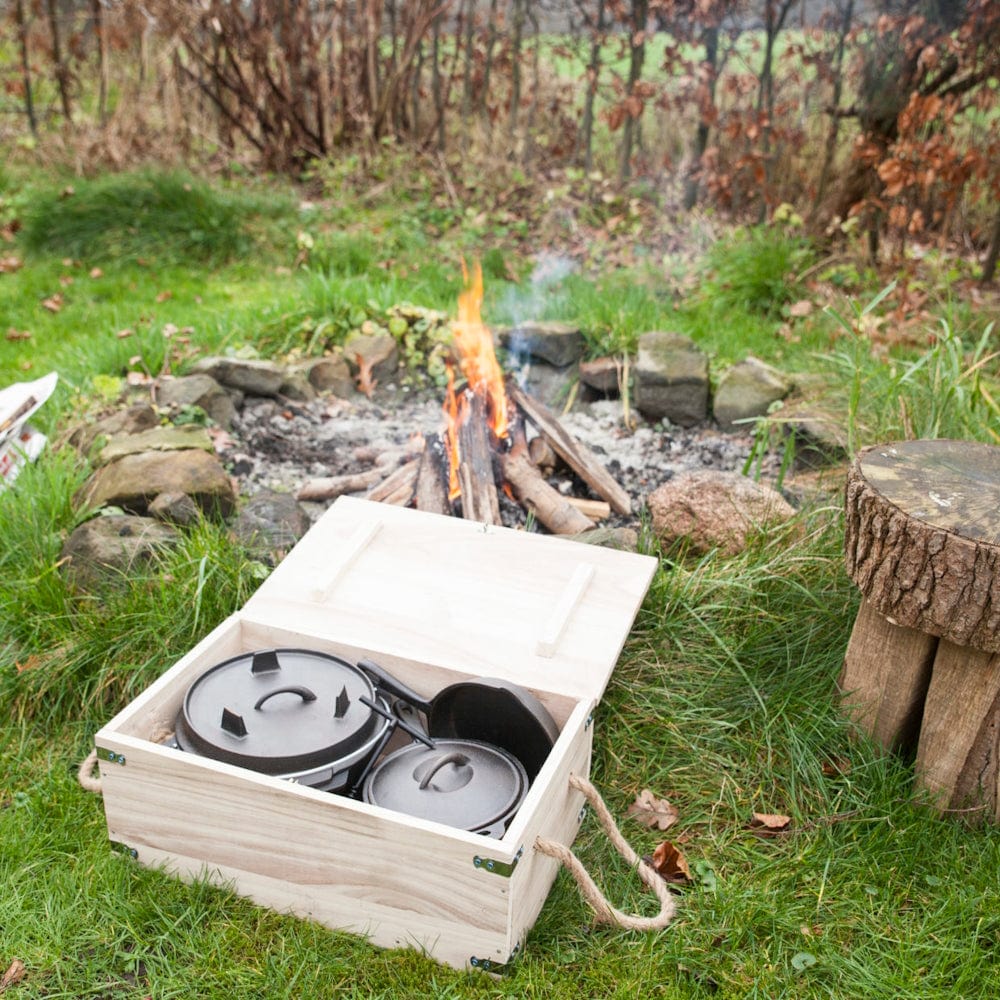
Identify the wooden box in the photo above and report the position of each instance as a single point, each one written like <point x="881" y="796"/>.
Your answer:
<point x="435" y="600"/>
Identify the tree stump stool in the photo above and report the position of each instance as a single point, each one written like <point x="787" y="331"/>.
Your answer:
<point x="922" y="670"/>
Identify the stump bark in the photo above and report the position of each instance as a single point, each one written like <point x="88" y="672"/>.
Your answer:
<point x="921" y="673"/>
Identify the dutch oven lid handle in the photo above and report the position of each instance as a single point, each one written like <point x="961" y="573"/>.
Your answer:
<point x="605" y="912"/>
<point x="303" y="692"/>
<point x="456" y="757"/>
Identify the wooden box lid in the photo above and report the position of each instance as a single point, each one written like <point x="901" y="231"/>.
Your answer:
<point x="540" y="611"/>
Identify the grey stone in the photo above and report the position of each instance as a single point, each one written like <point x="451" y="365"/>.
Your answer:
<point x="547" y="384"/>
<point x="156" y="439"/>
<point x="602" y="374"/>
<point x="330" y="374"/>
<point x="379" y="351"/>
<point x="133" y="481"/>
<point x="818" y="438"/>
<point x="198" y="390"/>
<point x="298" y="387"/>
<point x="256" y="378"/>
<point x="745" y="391"/>
<point x="671" y="379"/>
<point x="271" y="522"/>
<point x="133" y="420"/>
<point x="111" y="548"/>
<point x="707" y="510"/>
<point x="175" y="508"/>
<point x="559" y="344"/>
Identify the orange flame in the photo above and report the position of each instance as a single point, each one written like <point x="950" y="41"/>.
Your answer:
<point x="476" y="357"/>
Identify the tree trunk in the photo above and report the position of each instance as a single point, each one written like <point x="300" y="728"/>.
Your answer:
<point x="838" y="89"/>
<point x="102" y="61"/>
<point x="637" y="48"/>
<point x="586" y="136"/>
<point x="437" y="83"/>
<point x="61" y="70"/>
<point x="22" y="34"/>
<point x="774" y="21"/>
<point x="710" y="38"/>
<point x="992" y="253"/>
<point x="515" y="67"/>
<point x="469" y="13"/>
<point x="491" y="41"/>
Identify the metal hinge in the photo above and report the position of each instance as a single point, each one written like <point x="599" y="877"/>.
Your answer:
<point x="497" y="968"/>
<point x="110" y="755"/>
<point x="504" y="868"/>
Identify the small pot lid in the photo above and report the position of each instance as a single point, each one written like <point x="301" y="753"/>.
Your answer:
<point x="279" y="711"/>
<point x="462" y="783"/>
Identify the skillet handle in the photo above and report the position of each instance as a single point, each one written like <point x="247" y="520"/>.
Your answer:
<point x="605" y="912"/>
<point x="386" y="682"/>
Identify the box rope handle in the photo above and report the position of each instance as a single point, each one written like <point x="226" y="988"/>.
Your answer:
<point x="605" y="912"/>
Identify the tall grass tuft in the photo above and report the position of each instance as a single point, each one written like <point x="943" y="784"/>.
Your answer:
<point x="143" y="216"/>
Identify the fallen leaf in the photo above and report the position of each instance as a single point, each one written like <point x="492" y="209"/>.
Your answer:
<point x="122" y="334"/>
<point x="836" y="766"/>
<point x="96" y="272"/>
<point x="29" y="663"/>
<point x="66" y="280"/>
<point x="53" y="303"/>
<point x="13" y="334"/>
<point x="169" y="329"/>
<point x="669" y="863"/>
<point x="769" y="824"/>
<point x="14" y="974"/>
<point x="651" y="811"/>
<point x="222" y="441"/>
<point x="164" y="295"/>
<point x="365" y="382"/>
<point x="7" y="231"/>
<point x="8" y="265"/>
<point x="801" y="308"/>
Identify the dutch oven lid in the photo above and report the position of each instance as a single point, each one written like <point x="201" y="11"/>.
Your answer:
<point x="462" y="783"/>
<point x="279" y="711"/>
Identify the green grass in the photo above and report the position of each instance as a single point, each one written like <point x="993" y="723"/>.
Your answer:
<point x="724" y="698"/>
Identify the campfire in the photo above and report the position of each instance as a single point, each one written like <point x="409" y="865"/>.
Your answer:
<point x="491" y="430"/>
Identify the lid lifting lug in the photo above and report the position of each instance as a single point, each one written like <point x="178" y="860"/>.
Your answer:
<point x="501" y="868"/>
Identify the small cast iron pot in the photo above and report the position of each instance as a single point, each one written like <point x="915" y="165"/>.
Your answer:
<point x="294" y="713"/>
<point x="462" y="783"/>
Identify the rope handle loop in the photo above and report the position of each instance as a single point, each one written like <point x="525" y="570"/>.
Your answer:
<point x="605" y="912"/>
<point x="85" y="775"/>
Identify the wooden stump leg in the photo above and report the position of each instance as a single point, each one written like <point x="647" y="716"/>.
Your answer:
<point x="886" y="673"/>
<point x="957" y="757"/>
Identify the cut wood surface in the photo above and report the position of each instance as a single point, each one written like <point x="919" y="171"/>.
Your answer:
<point x="399" y="483"/>
<point x="578" y="457"/>
<point x="331" y="487"/>
<point x="923" y="537"/>
<point x="596" y="510"/>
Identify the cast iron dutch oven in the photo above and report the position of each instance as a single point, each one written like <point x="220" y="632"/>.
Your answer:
<point x="294" y="713"/>
<point x="486" y="710"/>
<point x="463" y="783"/>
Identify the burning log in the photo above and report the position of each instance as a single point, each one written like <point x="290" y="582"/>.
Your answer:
<point x="475" y="468"/>
<point x="595" y="510"/>
<point x="534" y="494"/>
<point x="579" y="458"/>
<point x="431" y="490"/>
<point x="331" y="487"/>
<point x="397" y="488"/>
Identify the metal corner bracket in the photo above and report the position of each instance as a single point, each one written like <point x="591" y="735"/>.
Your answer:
<point x="502" y="868"/>
<point x="110" y="755"/>
<point x="496" y="968"/>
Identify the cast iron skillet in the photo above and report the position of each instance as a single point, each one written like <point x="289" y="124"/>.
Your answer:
<point x="486" y="709"/>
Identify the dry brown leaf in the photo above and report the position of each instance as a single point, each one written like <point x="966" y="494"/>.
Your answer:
<point x="801" y="308"/>
<point x="669" y="863"/>
<point x="13" y="334"/>
<point x="164" y="295"/>
<point x="8" y="265"/>
<point x="53" y="303"/>
<point x="769" y="824"/>
<point x="122" y="334"/>
<point x="651" y="811"/>
<point x="29" y="663"/>
<point x="365" y="382"/>
<point x="65" y="280"/>
<point x="96" y="272"/>
<point x="836" y="766"/>
<point x="14" y="974"/>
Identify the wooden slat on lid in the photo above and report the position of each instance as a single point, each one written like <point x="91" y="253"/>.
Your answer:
<point x="541" y="611"/>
